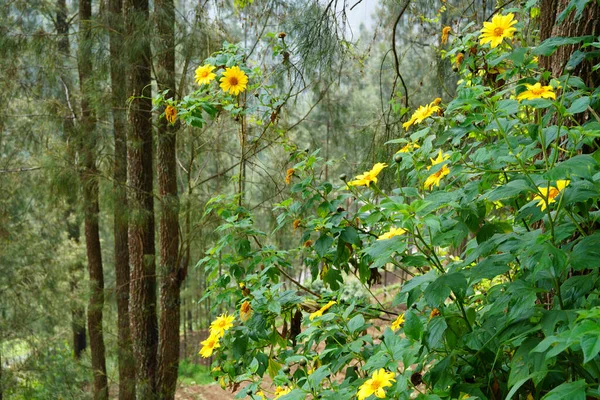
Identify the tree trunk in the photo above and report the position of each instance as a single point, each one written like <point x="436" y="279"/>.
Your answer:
<point x="77" y="309"/>
<point x="587" y="24"/>
<point x="142" y="301"/>
<point x="170" y="272"/>
<point x="89" y="179"/>
<point x="119" y="99"/>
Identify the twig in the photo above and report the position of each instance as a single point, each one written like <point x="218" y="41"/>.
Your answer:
<point x="396" y="63"/>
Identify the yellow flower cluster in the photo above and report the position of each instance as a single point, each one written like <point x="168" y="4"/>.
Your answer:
<point x="245" y="311"/>
<point x="422" y="113"/>
<point x="549" y="194"/>
<point x="408" y="148"/>
<point x="233" y="81"/>
<point x="376" y="384"/>
<point x="496" y="31"/>
<point x="537" y="91"/>
<point x="392" y="233"/>
<point x="368" y="177"/>
<point x="280" y="391"/>
<point x="322" y="310"/>
<point x="217" y="330"/>
<point x="171" y="114"/>
<point x="398" y="322"/>
<point x="436" y="177"/>
<point x="445" y="32"/>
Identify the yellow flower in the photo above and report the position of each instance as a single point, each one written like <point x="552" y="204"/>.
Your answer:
<point x="209" y="345"/>
<point x="445" y="31"/>
<point x="367" y="177"/>
<point x="440" y="159"/>
<point x="399" y="321"/>
<point x="322" y="310"/>
<point x="220" y="325"/>
<point x="420" y="115"/>
<point x="296" y="224"/>
<point x="234" y="80"/>
<point x="494" y="32"/>
<point x="375" y="385"/>
<point x="436" y="101"/>
<point x="408" y="148"/>
<point x="434" y="313"/>
<point x="436" y="177"/>
<point x="537" y="91"/>
<point x="392" y="232"/>
<point x="288" y="176"/>
<point x="261" y="395"/>
<point x="171" y="114"/>
<point x="245" y="311"/>
<point x="459" y="59"/>
<point x="550" y="193"/>
<point x="204" y="74"/>
<point x="280" y="391"/>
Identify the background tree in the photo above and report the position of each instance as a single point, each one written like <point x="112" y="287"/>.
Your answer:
<point x="116" y="29"/>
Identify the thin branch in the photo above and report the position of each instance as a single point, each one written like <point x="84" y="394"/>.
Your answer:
<point x="396" y="63"/>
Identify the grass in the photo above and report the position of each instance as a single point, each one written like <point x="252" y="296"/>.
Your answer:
<point x="194" y="374"/>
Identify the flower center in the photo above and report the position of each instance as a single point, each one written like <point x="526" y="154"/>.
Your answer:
<point x="204" y="74"/>
<point x="552" y="193"/>
<point x="376" y="384"/>
<point x="537" y="92"/>
<point x="233" y="81"/>
<point x="498" y="31"/>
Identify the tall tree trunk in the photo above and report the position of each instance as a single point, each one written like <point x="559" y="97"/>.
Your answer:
<point x="91" y="207"/>
<point x="77" y="309"/>
<point x="172" y="275"/>
<point x="119" y="99"/>
<point x="587" y="24"/>
<point x="142" y="300"/>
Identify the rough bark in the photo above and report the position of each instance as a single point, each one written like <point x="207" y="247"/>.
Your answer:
<point x="170" y="272"/>
<point x="91" y="207"/>
<point x="79" y="336"/>
<point x="587" y="24"/>
<point x="142" y="300"/>
<point x="119" y="100"/>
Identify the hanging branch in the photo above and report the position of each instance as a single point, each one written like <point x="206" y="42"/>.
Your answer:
<point x="396" y="63"/>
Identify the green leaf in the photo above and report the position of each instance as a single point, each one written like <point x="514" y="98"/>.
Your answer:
<point x="571" y="391"/>
<point x="586" y="253"/>
<point x="413" y="327"/>
<point x="439" y="290"/>
<point x="356" y="323"/>
<point x="550" y="45"/>
<point x="590" y="344"/>
<point x="579" y="105"/>
<point x="435" y="332"/>
<point x="582" y="165"/>
<point x="314" y="379"/>
<point x="323" y="244"/>
<point x="350" y="235"/>
<point x="511" y="189"/>
<point x="295" y="394"/>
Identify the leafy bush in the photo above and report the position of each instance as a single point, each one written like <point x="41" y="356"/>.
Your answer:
<point x="490" y="207"/>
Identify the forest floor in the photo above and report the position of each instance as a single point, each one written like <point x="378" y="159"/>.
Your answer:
<point x="202" y="392"/>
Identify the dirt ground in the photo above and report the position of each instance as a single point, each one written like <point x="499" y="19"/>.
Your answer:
<point x="206" y="392"/>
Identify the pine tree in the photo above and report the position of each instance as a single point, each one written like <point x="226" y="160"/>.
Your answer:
<point x="142" y="306"/>
<point x="172" y="275"/>
<point x="91" y="207"/>
<point x="119" y="98"/>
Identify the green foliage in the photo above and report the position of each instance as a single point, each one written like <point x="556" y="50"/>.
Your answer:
<point x="493" y="216"/>
<point x="193" y="374"/>
<point x="50" y="374"/>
